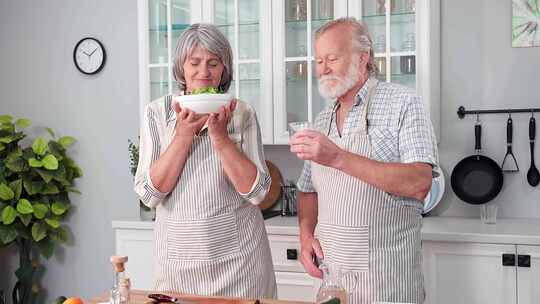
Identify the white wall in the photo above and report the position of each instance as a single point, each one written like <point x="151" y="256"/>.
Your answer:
<point x="39" y="81"/>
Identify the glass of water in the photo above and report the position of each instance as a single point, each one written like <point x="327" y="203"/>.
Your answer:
<point x="297" y="126"/>
<point x="488" y="213"/>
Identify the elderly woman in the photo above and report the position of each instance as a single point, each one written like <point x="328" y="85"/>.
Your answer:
<point x="205" y="175"/>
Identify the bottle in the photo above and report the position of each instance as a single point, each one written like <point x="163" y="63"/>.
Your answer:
<point x="121" y="283"/>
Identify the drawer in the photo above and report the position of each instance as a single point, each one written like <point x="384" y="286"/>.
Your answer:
<point x="293" y="286"/>
<point x="286" y="253"/>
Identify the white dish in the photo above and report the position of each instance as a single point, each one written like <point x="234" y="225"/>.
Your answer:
<point x="436" y="193"/>
<point x="203" y="103"/>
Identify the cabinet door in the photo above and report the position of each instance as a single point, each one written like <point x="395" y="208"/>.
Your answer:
<point x="160" y="23"/>
<point x="247" y="26"/>
<point x="138" y="246"/>
<point x="468" y="273"/>
<point x="296" y="286"/>
<point x="296" y="97"/>
<point x="406" y="44"/>
<point x="528" y="278"/>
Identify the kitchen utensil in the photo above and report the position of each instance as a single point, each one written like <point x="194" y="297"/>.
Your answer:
<point x="288" y="202"/>
<point x="477" y="179"/>
<point x="437" y="190"/>
<point x="533" y="176"/>
<point x="513" y="166"/>
<point x="488" y="213"/>
<point x="273" y="194"/>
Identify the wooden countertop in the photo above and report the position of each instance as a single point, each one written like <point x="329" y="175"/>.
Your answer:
<point x="140" y="297"/>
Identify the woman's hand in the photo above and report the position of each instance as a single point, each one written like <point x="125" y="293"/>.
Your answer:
<point x="217" y="124"/>
<point x="188" y="123"/>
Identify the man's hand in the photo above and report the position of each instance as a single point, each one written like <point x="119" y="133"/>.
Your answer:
<point x="217" y="124"/>
<point x="314" y="146"/>
<point x="310" y="250"/>
<point x="188" y="123"/>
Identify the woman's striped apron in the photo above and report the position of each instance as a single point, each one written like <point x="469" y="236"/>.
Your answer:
<point x="208" y="240"/>
<point x="365" y="230"/>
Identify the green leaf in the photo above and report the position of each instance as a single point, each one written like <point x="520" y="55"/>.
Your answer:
<point x="17" y="165"/>
<point x="58" y="208"/>
<point x="45" y="175"/>
<point x="52" y="222"/>
<point x="50" y="162"/>
<point x="46" y="248"/>
<point x="5" y="192"/>
<point x="51" y="132"/>
<point x="66" y="141"/>
<point x="33" y="187"/>
<point x="39" y="231"/>
<point x="59" y="235"/>
<point x="40" y="210"/>
<point x="23" y="123"/>
<point x="25" y="272"/>
<point x="74" y="190"/>
<point x="34" y="163"/>
<point x="2" y="147"/>
<point x="16" y="186"/>
<point x="8" y="215"/>
<point x="6" y="139"/>
<point x="50" y="188"/>
<point x="24" y="207"/>
<point x="5" y="119"/>
<point x="78" y="172"/>
<point x="39" y="146"/>
<point x="7" y="234"/>
<point x="25" y="218"/>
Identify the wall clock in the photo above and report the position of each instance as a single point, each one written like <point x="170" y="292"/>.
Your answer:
<point x="89" y="56"/>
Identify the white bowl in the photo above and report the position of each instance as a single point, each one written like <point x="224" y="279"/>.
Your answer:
<point x="436" y="193"/>
<point x="203" y="103"/>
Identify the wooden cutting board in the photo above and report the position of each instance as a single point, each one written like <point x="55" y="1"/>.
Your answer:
<point x="141" y="297"/>
<point x="274" y="193"/>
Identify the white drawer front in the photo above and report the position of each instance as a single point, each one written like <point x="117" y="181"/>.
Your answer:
<point x="280" y="245"/>
<point x="295" y="286"/>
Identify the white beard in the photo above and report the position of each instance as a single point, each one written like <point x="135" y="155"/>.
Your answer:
<point x="343" y="83"/>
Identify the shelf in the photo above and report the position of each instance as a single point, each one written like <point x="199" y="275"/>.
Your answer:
<point x="405" y="13"/>
<point x="240" y="24"/>
<point x="302" y="24"/>
<point x="380" y="20"/>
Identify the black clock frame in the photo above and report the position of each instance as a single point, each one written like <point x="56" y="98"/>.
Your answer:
<point x="75" y="56"/>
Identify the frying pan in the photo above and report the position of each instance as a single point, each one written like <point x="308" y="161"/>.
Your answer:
<point x="477" y="179"/>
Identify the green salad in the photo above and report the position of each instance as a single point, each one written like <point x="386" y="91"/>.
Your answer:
<point x="207" y="90"/>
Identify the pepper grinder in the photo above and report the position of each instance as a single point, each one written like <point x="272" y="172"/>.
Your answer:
<point x="121" y="283"/>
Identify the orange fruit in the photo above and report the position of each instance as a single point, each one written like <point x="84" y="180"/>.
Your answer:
<point x="73" y="300"/>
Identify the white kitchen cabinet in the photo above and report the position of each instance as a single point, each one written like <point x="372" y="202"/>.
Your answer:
<point x="136" y="240"/>
<point x="528" y="274"/>
<point x="481" y="273"/>
<point x="273" y="54"/>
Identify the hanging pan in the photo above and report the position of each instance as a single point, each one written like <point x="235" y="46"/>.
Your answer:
<point x="477" y="179"/>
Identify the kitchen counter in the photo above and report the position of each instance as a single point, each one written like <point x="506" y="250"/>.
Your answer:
<point x="140" y="297"/>
<point x="442" y="229"/>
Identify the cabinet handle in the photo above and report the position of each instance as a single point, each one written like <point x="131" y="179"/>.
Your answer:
<point x="508" y="259"/>
<point x="524" y="260"/>
<point x="292" y="254"/>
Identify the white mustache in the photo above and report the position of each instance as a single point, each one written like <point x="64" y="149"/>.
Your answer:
<point x="326" y="78"/>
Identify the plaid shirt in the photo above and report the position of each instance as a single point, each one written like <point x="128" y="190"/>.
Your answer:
<point x="398" y="128"/>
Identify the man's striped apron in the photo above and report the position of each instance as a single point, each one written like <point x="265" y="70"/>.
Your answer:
<point x="365" y="230"/>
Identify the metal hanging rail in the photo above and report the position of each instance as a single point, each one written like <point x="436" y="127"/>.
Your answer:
<point x="462" y="112"/>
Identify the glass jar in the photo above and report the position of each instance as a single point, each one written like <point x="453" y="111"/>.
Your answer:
<point x="332" y="286"/>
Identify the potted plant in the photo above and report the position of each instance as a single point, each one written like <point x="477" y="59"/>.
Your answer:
<point x="146" y="213"/>
<point x="35" y="181"/>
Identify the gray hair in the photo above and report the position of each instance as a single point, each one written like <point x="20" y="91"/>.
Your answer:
<point x="361" y="39"/>
<point x="210" y="38"/>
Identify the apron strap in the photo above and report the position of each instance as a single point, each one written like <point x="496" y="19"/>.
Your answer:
<point x="371" y="83"/>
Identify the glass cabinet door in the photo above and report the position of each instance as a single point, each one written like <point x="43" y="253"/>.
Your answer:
<point x="393" y="28"/>
<point x="295" y="85"/>
<point x="167" y="19"/>
<point x="245" y="23"/>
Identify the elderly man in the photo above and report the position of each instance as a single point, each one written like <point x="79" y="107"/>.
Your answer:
<point x="368" y="167"/>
